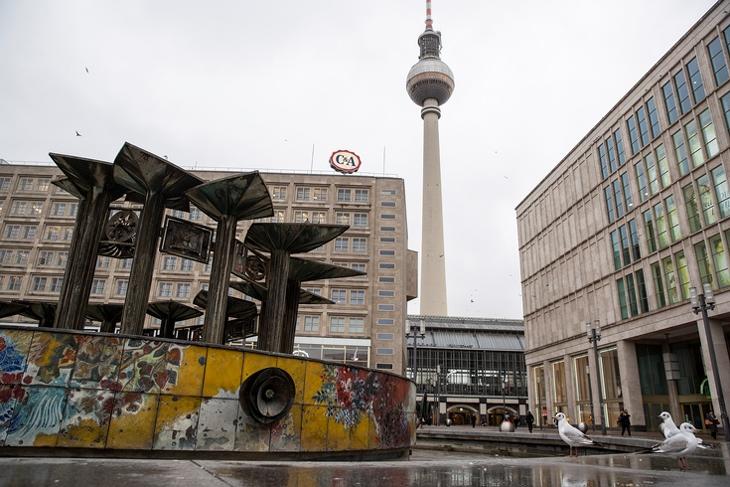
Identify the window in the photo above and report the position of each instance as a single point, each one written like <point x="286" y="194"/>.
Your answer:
<point x="388" y="192"/>
<point x="634" y="232"/>
<point x="386" y="307"/>
<point x="301" y="216"/>
<point x="643" y="126"/>
<point x="384" y="293"/>
<point x="658" y="285"/>
<point x="386" y="279"/>
<point x="278" y="193"/>
<point x="319" y="217"/>
<point x="610" y="211"/>
<point x="387" y="265"/>
<point x="342" y="218"/>
<point x="725" y="100"/>
<point x="643" y="297"/>
<point x="358" y="266"/>
<point x="603" y="161"/>
<point x="194" y="213"/>
<point x="662" y="232"/>
<point x="183" y="290"/>
<point x="619" y="198"/>
<point x="97" y="286"/>
<point x="384" y="336"/>
<point x="164" y="289"/>
<point x="387" y="239"/>
<point x="303" y="193"/>
<point x="668" y="91"/>
<point x="14" y="283"/>
<point x="186" y="265"/>
<point x="319" y="194"/>
<point x="311" y="323"/>
<point x="56" y="283"/>
<point x="357" y="296"/>
<point x="695" y="79"/>
<point x="124" y="264"/>
<point x="43" y="184"/>
<point x="5" y="183"/>
<point x="656" y="126"/>
<point x="385" y="321"/>
<point x="616" y="248"/>
<point x="387" y="216"/>
<point x="359" y="245"/>
<point x="387" y="229"/>
<point x="339" y="296"/>
<point x="682" y="273"/>
<point x="703" y="262"/>
<point x="169" y="263"/>
<point x="384" y="366"/>
<point x="717" y="59"/>
<point x="694" y="143"/>
<point x="624" y="238"/>
<point x="680" y="150"/>
<point x="683" y="92"/>
<point x="619" y="146"/>
<point x="719" y="258"/>
<point x="627" y="191"/>
<point x="103" y="262"/>
<point x="357" y="325"/>
<point x="708" y="133"/>
<point x="38" y="284"/>
<point x="708" y="206"/>
<point x="633" y="134"/>
<point x="690" y="204"/>
<point x="661" y="156"/>
<point x="641" y="181"/>
<point x="314" y="290"/>
<point x="384" y="351"/>
<point x="45" y="258"/>
<point x="719" y="180"/>
<point x="611" y="150"/>
<point x="360" y="220"/>
<point x="670" y="280"/>
<point x="337" y="324"/>
<point x="344" y="194"/>
<point x="342" y="244"/>
<point x="362" y="195"/>
<point x="650" y="231"/>
<point x="279" y="216"/>
<point x="672" y="219"/>
<point x="58" y="209"/>
<point x="25" y="184"/>
<point x="387" y="252"/>
<point x="387" y="204"/>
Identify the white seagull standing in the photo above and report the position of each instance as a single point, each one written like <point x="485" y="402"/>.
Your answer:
<point x="679" y="445"/>
<point x="574" y="437"/>
<point x="668" y="427"/>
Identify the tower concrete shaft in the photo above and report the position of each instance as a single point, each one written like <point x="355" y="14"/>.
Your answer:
<point x="433" y="261"/>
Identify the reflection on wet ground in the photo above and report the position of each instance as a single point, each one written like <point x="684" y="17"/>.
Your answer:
<point x="425" y="468"/>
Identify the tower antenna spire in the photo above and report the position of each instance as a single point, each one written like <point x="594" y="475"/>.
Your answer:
<point x="429" y="20"/>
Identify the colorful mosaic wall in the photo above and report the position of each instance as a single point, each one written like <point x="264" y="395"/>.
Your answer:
<point x="63" y="389"/>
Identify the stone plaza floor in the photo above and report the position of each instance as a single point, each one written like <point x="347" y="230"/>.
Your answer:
<point x="424" y="468"/>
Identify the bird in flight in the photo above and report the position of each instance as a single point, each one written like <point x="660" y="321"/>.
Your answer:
<point x="87" y="69"/>
<point x="78" y="134"/>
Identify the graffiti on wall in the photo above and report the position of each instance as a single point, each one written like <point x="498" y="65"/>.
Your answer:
<point x="90" y="390"/>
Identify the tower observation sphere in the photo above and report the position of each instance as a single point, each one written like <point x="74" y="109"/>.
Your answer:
<point x="430" y="77"/>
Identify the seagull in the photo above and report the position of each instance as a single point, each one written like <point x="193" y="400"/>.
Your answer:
<point x="87" y="69"/>
<point x="78" y="134"/>
<point x="679" y="445"/>
<point x="669" y="429"/>
<point x="572" y="435"/>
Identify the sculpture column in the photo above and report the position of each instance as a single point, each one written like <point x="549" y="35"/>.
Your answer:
<point x="227" y="200"/>
<point x="93" y="183"/>
<point x="161" y="185"/>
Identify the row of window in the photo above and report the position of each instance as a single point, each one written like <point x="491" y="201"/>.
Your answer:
<point x="337" y="324"/>
<point x="340" y="296"/>
<point x="34" y="208"/>
<point x="320" y="194"/>
<point x="52" y="233"/>
<point x="26" y="184"/>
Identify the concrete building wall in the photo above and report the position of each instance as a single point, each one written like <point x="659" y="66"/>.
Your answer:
<point x="570" y="272"/>
<point x="37" y="218"/>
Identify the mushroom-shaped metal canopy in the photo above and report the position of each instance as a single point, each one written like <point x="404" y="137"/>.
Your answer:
<point x="237" y="308"/>
<point x="65" y="184"/>
<point x="243" y="196"/>
<point x="86" y="174"/>
<point x="257" y="291"/>
<point x="109" y="314"/>
<point x="43" y="311"/>
<point x="304" y="270"/>
<point x="172" y="310"/>
<point x="8" y="308"/>
<point x="141" y="172"/>
<point x="295" y="238"/>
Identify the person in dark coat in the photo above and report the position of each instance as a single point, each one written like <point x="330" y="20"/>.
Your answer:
<point x="711" y="423"/>
<point x="624" y="422"/>
<point x="530" y="419"/>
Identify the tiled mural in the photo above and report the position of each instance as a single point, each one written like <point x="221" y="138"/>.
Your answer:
<point x="64" y="389"/>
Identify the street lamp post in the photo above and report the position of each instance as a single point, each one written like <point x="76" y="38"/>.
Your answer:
<point x="416" y="332"/>
<point x="438" y="394"/>
<point x="593" y="330"/>
<point x="700" y="304"/>
<point x="590" y="395"/>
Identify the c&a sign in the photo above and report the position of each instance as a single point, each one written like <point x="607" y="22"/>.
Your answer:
<point x="345" y="161"/>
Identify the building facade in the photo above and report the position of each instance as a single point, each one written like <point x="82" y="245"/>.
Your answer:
<point x="366" y="324"/>
<point x="467" y="368"/>
<point x="619" y="232"/>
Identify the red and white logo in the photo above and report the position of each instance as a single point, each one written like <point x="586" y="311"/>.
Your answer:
<point x="345" y="161"/>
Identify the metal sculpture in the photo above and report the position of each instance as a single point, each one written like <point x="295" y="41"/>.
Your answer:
<point x="227" y="200"/>
<point x="120" y="234"/>
<point x="267" y="395"/>
<point x="42" y="311"/>
<point x="281" y="240"/>
<point x="93" y="183"/>
<point x="158" y="184"/>
<point x="170" y="312"/>
<point x="109" y="314"/>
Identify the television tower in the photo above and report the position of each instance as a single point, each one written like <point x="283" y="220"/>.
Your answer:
<point x="430" y="83"/>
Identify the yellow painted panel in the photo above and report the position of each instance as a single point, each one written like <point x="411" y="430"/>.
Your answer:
<point x="296" y="368"/>
<point x="222" y="373"/>
<point x="189" y="381"/>
<point x="253" y="362"/>
<point x="177" y="423"/>
<point x="359" y="435"/>
<point x="339" y="437"/>
<point x="133" y="421"/>
<point x="315" y="372"/>
<point x="314" y="428"/>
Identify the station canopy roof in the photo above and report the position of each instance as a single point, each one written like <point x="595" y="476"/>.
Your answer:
<point x="469" y="333"/>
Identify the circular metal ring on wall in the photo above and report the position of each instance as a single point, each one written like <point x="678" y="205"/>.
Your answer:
<point x="267" y="395"/>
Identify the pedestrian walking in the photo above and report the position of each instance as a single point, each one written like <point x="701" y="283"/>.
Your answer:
<point x="711" y="423"/>
<point x="625" y="422"/>
<point x="530" y="419"/>
<point x="473" y="421"/>
<point x="544" y="416"/>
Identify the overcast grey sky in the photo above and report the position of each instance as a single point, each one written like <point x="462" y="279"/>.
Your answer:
<point x="255" y="84"/>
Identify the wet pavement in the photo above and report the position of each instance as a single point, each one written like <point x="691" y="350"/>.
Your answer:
<point x="424" y="468"/>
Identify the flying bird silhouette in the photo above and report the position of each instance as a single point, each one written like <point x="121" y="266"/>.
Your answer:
<point x="87" y="69"/>
<point x="78" y="134"/>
